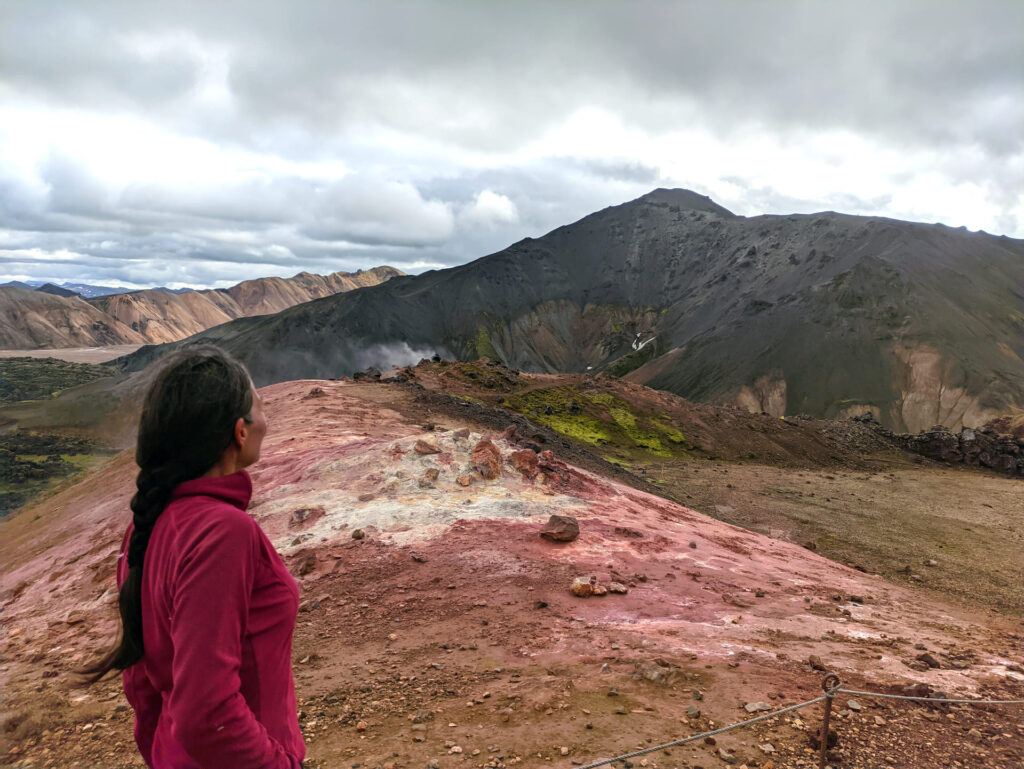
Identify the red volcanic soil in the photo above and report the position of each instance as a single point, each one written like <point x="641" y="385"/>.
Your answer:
<point x="436" y="625"/>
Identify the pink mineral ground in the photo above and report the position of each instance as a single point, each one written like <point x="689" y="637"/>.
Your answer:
<point x="451" y="604"/>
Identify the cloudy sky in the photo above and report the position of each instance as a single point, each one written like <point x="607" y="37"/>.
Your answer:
<point x="148" y="143"/>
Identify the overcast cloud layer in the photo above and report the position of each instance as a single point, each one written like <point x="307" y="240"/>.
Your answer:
<point x="206" y="143"/>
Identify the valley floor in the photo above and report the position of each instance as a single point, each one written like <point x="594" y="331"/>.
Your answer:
<point x="76" y="354"/>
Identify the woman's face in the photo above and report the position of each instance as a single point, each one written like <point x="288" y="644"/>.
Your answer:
<point x="253" y="433"/>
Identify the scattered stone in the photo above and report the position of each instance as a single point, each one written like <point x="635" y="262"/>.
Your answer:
<point x="486" y="459"/>
<point x="929" y="660"/>
<point x="361" y="726"/>
<point x="613" y="691"/>
<point x="582" y="587"/>
<point x="693" y="545"/>
<point x="854" y="706"/>
<point x="422" y="716"/>
<point x="455" y="749"/>
<point x="759" y="593"/>
<point x="617" y="587"/>
<point x="729" y="758"/>
<point x="464" y="480"/>
<point x="564" y="750"/>
<point x="304" y="516"/>
<point x="462" y="432"/>
<point x="540" y="604"/>
<point x="767" y="748"/>
<point x="815" y="662"/>
<point x="757" y="707"/>
<point x="931" y="562"/>
<point x="600" y="590"/>
<point x="419" y="557"/>
<point x="358" y="534"/>
<point x="429" y="478"/>
<point x="305" y="562"/>
<point x="561" y="528"/>
<point x="693" y="712"/>
<point x="425" y="448"/>
<point x="879" y="721"/>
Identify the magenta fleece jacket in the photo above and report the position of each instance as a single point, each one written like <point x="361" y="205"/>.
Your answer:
<point x="215" y="688"/>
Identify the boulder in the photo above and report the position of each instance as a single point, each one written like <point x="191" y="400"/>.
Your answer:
<point x="368" y="375"/>
<point x="561" y="528"/>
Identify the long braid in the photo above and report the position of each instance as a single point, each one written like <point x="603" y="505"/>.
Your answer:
<point x="186" y="425"/>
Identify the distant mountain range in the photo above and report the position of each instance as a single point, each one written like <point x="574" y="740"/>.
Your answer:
<point x="86" y="290"/>
<point x="822" y="314"/>
<point x="54" y="316"/>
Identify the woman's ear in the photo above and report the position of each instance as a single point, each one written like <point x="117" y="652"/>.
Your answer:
<point x="241" y="433"/>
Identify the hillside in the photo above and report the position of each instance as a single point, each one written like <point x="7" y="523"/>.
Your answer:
<point x="825" y="314"/>
<point x="40" y="319"/>
<point x="31" y="319"/>
<point x="433" y="616"/>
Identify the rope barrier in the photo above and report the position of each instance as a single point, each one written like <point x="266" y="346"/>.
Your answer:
<point x="929" y="699"/>
<point x="831" y="687"/>
<point x="702" y="735"/>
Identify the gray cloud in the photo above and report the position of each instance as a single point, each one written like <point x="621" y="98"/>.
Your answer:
<point x="345" y="134"/>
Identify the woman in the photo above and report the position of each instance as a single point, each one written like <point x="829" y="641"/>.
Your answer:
<point x="207" y="606"/>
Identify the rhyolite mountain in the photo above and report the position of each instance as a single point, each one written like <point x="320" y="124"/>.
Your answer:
<point x="55" y="316"/>
<point x="822" y="314"/>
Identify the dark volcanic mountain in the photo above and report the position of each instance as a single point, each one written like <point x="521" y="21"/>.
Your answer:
<point x="824" y="314"/>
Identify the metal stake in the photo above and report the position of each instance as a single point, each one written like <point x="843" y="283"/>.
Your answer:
<point x="829" y="686"/>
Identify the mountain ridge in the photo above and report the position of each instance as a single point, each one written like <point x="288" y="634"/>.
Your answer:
<point x="157" y="315"/>
<point x="825" y="314"/>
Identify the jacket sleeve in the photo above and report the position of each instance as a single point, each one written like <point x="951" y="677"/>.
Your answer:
<point x="146" y="702"/>
<point x="210" y="718"/>
<point x="138" y="690"/>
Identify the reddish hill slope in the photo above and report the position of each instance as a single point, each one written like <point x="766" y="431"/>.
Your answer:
<point x="35" y="319"/>
<point x="446" y="622"/>
<point x="32" y="319"/>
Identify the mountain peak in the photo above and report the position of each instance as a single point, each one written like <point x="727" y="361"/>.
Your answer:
<point x="689" y="199"/>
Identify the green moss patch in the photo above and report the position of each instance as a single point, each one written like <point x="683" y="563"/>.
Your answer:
<point x="23" y="379"/>
<point x="601" y="419"/>
<point x="631" y="361"/>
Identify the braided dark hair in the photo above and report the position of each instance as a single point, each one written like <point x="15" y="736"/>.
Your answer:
<point x="187" y="422"/>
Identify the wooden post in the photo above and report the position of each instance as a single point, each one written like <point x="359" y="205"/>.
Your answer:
<point x="829" y="685"/>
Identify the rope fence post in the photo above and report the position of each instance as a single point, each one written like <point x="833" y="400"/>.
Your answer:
<point x="829" y="684"/>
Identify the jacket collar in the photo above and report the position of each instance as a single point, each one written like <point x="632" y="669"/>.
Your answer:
<point x="235" y="489"/>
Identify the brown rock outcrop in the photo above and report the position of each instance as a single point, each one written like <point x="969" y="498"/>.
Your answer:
<point x="487" y="459"/>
